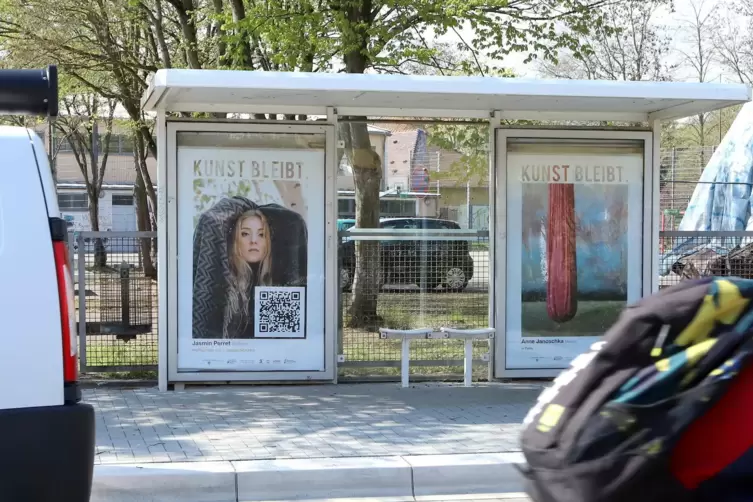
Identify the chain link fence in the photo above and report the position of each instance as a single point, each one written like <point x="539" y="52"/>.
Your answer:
<point x="411" y="278"/>
<point x="681" y="168"/>
<point x="408" y="276"/>
<point x="116" y="300"/>
<point x="691" y="255"/>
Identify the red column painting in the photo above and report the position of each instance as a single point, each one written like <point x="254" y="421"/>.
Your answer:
<point x="562" y="283"/>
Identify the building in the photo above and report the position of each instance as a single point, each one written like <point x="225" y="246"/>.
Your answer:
<point x="117" y="209"/>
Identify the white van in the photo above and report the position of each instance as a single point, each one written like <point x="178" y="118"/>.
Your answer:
<point x="46" y="433"/>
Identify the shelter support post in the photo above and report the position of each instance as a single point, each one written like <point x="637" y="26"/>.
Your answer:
<point x="332" y="283"/>
<point x="162" y="252"/>
<point x="495" y="120"/>
<point x="655" y="204"/>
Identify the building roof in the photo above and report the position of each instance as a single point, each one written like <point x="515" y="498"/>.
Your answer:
<point x="438" y="96"/>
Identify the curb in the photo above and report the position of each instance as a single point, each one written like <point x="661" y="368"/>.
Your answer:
<point x="395" y="479"/>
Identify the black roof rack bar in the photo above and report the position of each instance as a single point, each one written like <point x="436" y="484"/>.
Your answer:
<point x="29" y="92"/>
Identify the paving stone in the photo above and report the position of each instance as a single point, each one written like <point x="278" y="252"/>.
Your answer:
<point x="247" y="423"/>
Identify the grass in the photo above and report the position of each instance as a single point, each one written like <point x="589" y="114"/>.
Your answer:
<point x="406" y="310"/>
<point x="106" y="350"/>
<point x="592" y="319"/>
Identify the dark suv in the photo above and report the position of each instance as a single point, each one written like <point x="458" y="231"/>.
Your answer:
<point x="427" y="264"/>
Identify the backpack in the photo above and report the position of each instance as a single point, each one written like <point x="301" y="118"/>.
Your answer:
<point x="606" y="429"/>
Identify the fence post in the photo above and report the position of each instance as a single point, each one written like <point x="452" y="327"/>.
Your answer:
<point x="125" y="304"/>
<point x="672" y="181"/>
<point x="81" y="269"/>
<point x="71" y="246"/>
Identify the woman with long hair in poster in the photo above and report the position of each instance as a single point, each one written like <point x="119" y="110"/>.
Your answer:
<point x="250" y="258"/>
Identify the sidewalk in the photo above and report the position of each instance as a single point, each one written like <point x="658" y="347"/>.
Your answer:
<point x="252" y="443"/>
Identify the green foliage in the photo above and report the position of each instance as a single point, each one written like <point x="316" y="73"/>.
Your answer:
<point x="471" y="142"/>
<point x="113" y="46"/>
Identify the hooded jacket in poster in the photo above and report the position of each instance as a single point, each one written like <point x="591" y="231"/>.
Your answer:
<point x="212" y="271"/>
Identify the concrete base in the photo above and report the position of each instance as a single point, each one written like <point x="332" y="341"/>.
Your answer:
<point x="167" y="482"/>
<point x="388" y="479"/>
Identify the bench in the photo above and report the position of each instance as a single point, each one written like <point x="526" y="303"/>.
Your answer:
<point x="407" y="335"/>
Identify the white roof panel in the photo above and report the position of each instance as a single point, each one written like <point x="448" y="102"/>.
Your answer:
<point x="432" y="96"/>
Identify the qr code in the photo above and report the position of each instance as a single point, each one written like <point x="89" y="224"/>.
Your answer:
<point x="280" y="312"/>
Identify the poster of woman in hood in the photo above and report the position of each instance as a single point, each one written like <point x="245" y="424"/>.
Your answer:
<point x="239" y="245"/>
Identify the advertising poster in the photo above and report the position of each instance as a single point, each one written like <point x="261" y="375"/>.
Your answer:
<point x="574" y="249"/>
<point x="251" y="258"/>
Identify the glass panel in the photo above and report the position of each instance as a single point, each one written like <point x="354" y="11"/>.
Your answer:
<point x="415" y="274"/>
<point x="251" y="238"/>
<point x="574" y="245"/>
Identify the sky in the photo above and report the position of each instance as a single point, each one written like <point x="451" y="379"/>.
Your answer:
<point x="674" y="22"/>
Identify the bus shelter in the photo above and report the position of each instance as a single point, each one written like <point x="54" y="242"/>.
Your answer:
<point x="248" y="200"/>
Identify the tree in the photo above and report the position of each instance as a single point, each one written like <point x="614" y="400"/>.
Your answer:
<point x="636" y="50"/>
<point x="733" y="41"/>
<point x="700" y="56"/>
<point x="145" y="211"/>
<point x="126" y="40"/>
<point x="83" y="116"/>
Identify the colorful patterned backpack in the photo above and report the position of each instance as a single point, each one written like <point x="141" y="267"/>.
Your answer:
<point x="660" y="410"/>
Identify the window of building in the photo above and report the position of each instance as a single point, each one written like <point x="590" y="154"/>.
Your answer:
<point x="346" y="208"/>
<point x="397" y="208"/>
<point x="73" y="201"/>
<point x="122" y="200"/>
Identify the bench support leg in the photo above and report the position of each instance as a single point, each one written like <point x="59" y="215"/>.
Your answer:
<point x="468" y="362"/>
<point x="405" y="363"/>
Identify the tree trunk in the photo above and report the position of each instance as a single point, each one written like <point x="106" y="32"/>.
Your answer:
<point x="100" y="253"/>
<point x="186" y="11"/>
<point x="143" y="220"/>
<point x="367" y="173"/>
<point x="144" y="143"/>
<point x="367" y="169"/>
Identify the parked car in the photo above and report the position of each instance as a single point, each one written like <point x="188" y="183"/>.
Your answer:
<point x="46" y="433"/>
<point x="425" y="263"/>
<point x="345" y="223"/>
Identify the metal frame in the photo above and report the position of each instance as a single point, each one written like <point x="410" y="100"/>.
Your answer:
<point x="168" y="259"/>
<point x="650" y="218"/>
